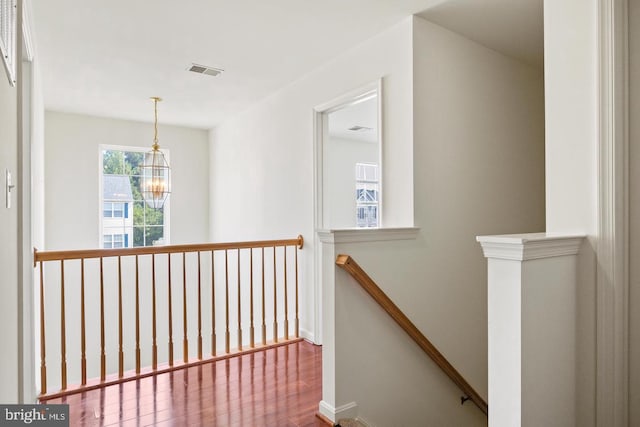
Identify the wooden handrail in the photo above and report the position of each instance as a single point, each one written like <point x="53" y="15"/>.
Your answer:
<point x="168" y="249"/>
<point x="348" y="264"/>
<point x="114" y="281"/>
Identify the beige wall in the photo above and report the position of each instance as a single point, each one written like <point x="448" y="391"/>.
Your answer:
<point x="466" y="124"/>
<point x="571" y="165"/>
<point x="9" y="247"/>
<point x="262" y="163"/>
<point x="478" y="162"/>
<point x="72" y="174"/>
<point x="72" y="209"/>
<point x="479" y="170"/>
<point x="634" y="214"/>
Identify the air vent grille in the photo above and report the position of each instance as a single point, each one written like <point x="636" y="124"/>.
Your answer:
<point x="202" y="69"/>
<point x="360" y="128"/>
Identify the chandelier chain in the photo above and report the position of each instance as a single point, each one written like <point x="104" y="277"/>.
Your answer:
<point x="155" y="123"/>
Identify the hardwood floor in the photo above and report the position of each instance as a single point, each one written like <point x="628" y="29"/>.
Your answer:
<point x="278" y="387"/>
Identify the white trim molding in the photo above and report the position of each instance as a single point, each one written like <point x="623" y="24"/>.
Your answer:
<point x="523" y="247"/>
<point x="308" y="335"/>
<point x="349" y="410"/>
<point x="27" y="34"/>
<point x="532" y="328"/>
<point x="320" y="129"/>
<point x="358" y="235"/>
<point x="612" y="318"/>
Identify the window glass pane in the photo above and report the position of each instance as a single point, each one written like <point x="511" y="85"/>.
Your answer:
<point x="366" y="172"/>
<point x="154" y="216"/>
<point x="107" y="241"/>
<point x="154" y="235"/>
<point x="132" y="221"/>
<point x="118" y="240"/>
<point x="135" y="187"/>
<point x="138" y="213"/>
<point x="135" y="161"/>
<point x="118" y="210"/>
<point x="113" y="162"/>
<point x="367" y="195"/>
<point x="138" y="236"/>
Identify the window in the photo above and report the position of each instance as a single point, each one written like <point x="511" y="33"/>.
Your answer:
<point x="367" y="190"/>
<point x="127" y="221"/>
<point x="115" y="241"/>
<point x="116" y="210"/>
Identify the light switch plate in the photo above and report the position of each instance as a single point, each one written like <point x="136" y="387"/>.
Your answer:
<point x="9" y="187"/>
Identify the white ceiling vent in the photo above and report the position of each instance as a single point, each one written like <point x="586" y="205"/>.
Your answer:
<point x="203" y="69"/>
<point x="360" y="128"/>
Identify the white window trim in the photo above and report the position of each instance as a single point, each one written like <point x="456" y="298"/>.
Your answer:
<point x="319" y="130"/>
<point x="612" y="249"/>
<point x="319" y="124"/>
<point x="359" y="203"/>
<point x="167" y="206"/>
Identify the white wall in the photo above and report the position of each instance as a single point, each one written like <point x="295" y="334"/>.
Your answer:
<point x="571" y="163"/>
<point x="475" y="147"/>
<point x="478" y="162"/>
<point x="37" y="158"/>
<point x="262" y="160"/>
<point x="634" y="214"/>
<point x="339" y="160"/>
<point x="72" y="173"/>
<point x="33" y="214"/>
<point x="571" y="119"/>
<point x="9" y="248"/>
<point x="72" y="209"/>
<point x="478" y="167"/>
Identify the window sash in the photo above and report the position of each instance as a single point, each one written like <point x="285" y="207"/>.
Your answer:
<point x="114" y="209"/>
<point x="140" y="225"/>
<point x="367" y="195"/>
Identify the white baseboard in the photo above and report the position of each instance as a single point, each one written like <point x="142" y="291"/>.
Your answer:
<point x="307" y="335"/>
<point x="364" y="422"/>
<point x="353" y="422"/>
<point x="350" y="410"/>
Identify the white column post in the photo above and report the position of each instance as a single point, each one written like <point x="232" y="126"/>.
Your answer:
<point x="327" y="406"/>
<point x="532" y="329"/>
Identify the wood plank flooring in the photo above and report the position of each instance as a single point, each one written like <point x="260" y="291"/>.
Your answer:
<point x="281" y="386"/>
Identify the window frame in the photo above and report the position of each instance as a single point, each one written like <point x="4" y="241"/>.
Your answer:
<point x="113" y="209"/>
<point x="367" y="185"/>
<point x="321" y="114"/>
<point x="112" y="236"/>
<point x="167" y="205"/>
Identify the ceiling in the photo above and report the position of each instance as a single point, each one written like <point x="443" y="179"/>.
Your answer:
<point x="106" y="58"/>
<point x="513" y="27"/>
<point x="357" y="121"/>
